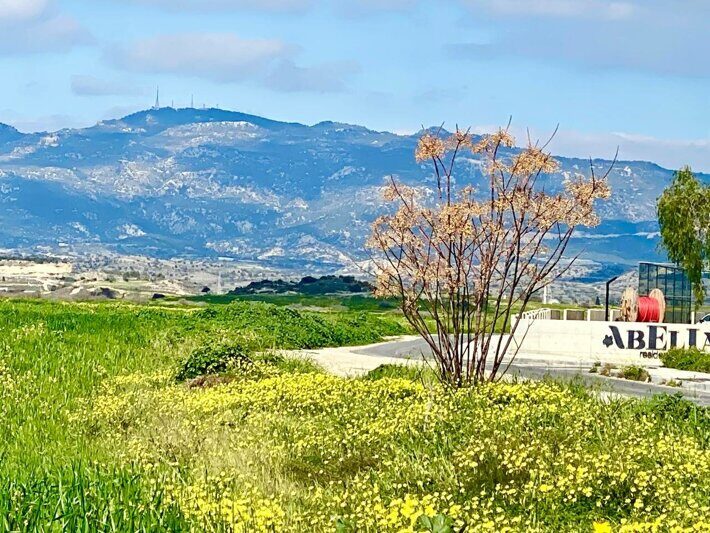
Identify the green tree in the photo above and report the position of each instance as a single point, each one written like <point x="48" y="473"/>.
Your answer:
<point x="684" y="217"/>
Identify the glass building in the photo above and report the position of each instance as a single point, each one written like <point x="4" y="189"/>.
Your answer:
<point x="676" y="288"/>
<point x="671" y="279"/>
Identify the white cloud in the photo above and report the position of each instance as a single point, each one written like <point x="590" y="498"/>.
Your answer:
<point x="57" y="34"/>
<point x="556" y="8"/>
<point x="669" y="153"/>
<point x="22" y="10"/>
<point x="221" y="57"/>
<point x="83" y="85"/>
<point x="289" y="77"/>
<point x="227" y="58"/>
<point x="228" y="5"/>
<point x="657" y="37"/>
<point x="32" y="26"/>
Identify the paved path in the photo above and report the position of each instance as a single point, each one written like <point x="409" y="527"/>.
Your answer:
<point x="347" y="361"/>
<point x="358" y="360"/>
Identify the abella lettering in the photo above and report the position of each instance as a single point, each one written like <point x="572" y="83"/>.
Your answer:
<point x="656" y="335"/>
<point x="655" y="338"/>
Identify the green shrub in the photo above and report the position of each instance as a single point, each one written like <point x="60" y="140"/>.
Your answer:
<point x="672" y="383"/>
<point x="687" y="359"/>
<point x="420" y="374"/>
<point x="212" y="359"/>
<point x="634" y="373"/>
<point x="676" y="409"/>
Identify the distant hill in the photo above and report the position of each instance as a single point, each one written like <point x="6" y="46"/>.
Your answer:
<point x="209" y="182"/>
<point x="308" y="285"/>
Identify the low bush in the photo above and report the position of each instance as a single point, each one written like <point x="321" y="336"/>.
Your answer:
<point x="676" y="409"/>
<point x="634" y="373"/>
<point x="393" y="371"/>
<point x="233" y="361"/>
<point x="672" y="383"/>
<point x="212" y="359"/>
<point x="691" y="359"/>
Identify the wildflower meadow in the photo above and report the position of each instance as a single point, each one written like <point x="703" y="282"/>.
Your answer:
<point x="98" y="433"/>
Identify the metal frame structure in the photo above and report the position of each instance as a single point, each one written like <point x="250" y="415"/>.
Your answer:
<point x="676" y="288"/>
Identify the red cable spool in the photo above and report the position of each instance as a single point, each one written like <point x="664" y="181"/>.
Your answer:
<point x="649" y="310"/>
<point x="652" y="308"/>
<point x="635" y="308"/>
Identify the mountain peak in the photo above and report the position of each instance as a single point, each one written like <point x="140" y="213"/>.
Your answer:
<point x="343" y="126"/>
<point x="157" y="120"/>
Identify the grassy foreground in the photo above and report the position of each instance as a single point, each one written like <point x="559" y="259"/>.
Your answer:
<point x="96" y="434"/>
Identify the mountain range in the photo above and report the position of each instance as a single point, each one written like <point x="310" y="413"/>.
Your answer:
<point x="213" y="183"/>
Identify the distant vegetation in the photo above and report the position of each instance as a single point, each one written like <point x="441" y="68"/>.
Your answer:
<point x="333" y="293"/>
<point x="307" y="285"/>
<point x="32" y="258"/>
<point x="332" y="302"/>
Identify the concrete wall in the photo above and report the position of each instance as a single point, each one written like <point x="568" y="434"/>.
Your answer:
<point x="606" y="341"/>
<point x="596" y="315"/>
<point x="575" y="314"/>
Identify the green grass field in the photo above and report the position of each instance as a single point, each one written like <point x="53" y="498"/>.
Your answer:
<point x="349" y="302"/>
<point x="389" y="308"/>
<point x="96" y="434"/>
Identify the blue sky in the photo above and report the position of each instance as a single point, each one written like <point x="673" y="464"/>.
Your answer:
<point x="633" y="73"/>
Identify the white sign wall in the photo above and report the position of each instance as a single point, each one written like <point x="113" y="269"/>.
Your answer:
<point x="607" y="340"/>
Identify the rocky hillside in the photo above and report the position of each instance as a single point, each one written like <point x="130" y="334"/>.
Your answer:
<point x="188" y="182"/>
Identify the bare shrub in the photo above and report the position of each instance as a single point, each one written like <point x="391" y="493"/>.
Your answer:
<point x="473" y="256"/>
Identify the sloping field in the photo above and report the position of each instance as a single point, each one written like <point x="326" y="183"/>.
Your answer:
<point x="96" y="433"/>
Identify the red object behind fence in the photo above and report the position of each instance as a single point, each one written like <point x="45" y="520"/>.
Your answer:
<point x="649" y="309"/>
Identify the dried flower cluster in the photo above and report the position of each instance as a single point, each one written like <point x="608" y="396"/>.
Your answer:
<point x="467" y="260"/>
